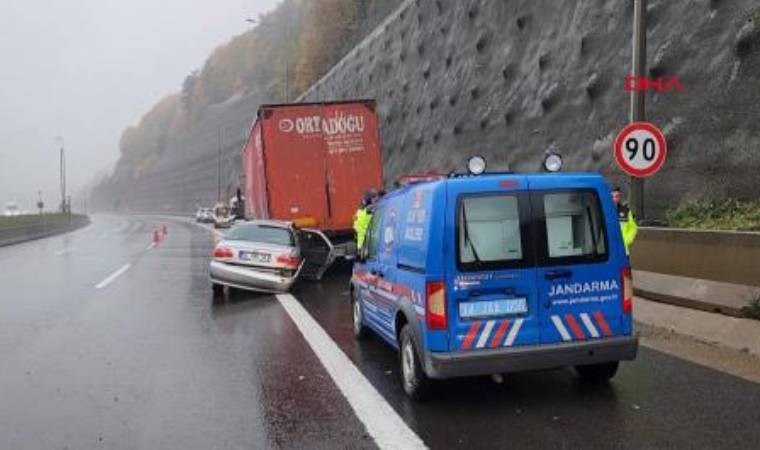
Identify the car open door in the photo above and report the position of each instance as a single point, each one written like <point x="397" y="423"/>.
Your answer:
<point x="317" y="252"/>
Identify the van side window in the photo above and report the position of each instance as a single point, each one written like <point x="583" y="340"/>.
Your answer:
<point x="489" y="232"/>
<point x="374" y="234"/>
<point x="574" y="226"/>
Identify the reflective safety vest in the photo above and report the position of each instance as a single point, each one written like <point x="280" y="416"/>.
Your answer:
<point x="628" y="227"/>
<point x="362" y="219"/>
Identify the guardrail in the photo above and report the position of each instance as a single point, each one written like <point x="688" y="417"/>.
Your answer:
<point x="725" y="256"/>
<point x="14" y="230"/>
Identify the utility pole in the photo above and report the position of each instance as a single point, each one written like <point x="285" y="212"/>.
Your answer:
<point x="287" y="60"/>
<point x="638" y="96"/>
<point x="286" y="53"/>
<point x="219" y="170"/>
<point x="62" y="171"/>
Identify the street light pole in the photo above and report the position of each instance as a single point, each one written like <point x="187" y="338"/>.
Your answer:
<point x="219" y="169"/>
<point x="285" y="53"/>
<point x="638" y="96"/>
<point x="62" y="171"/>
<point x="287" y="61"/>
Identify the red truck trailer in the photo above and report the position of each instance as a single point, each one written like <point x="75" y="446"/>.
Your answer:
<point x="311" y="163"/>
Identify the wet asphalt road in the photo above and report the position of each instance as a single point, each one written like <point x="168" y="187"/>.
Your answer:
<point x="148" y="362"/>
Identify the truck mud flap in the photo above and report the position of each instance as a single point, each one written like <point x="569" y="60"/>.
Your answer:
<point x="318" y="253"/>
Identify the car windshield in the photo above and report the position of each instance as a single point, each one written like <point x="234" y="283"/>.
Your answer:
<point x="262" y="233"/>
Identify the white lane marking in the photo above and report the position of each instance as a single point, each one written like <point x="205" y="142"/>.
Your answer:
<point x="589" y="325"/>
<point x="512" y="335"/>
<point x="382" y="423"/>
<point x="64" y="251"/>
<point x="561" y="328"/>
<point x="484" y="335"/>
<point x="110" y="279"/>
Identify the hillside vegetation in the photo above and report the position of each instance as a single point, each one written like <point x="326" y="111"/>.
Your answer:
<point x="312" y="34"/>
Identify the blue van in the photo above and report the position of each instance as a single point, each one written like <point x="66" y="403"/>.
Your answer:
<point x="496" y="273"/>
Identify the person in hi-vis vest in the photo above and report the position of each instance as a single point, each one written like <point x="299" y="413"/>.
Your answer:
<point x="627" y="223"/>
<point x="363" y="216"/>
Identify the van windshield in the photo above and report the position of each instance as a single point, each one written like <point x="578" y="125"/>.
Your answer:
<point x="489" y="232"/>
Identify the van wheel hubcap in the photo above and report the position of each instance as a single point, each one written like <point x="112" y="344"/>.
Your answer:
<point x="407" y="363"/>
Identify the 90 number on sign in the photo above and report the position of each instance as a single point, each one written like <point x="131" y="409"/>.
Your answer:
<point x="649" y="148"/>
<point x="640" y="149"/>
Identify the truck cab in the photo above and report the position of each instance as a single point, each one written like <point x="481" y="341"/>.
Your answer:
<point x="496" y="273"/>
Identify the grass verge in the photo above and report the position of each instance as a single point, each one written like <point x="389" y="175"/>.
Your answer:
<point x="32" y="219"/>
<point x="729" y="214"/>
<point x="752" y="310"/>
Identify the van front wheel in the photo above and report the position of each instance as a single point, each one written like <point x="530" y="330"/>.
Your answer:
<point x="416" y="383"/>
<point x="360" y="331"/>
<point x="597" y="373"/>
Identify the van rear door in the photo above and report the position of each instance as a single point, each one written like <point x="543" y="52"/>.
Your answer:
<point x="579" y="272"/>
<point x="492" y="301"/>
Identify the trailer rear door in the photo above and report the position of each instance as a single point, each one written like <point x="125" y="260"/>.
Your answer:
<point x="295" y="164"/>
<point x="352" y="148"/>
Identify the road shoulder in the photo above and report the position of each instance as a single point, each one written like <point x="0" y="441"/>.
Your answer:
<point x="723" y="343"/>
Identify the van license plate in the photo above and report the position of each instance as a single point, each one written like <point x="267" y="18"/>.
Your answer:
<point x="493" y="308"/>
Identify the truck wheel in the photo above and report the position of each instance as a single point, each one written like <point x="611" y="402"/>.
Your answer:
<point x="416" y="383"/>
<point x="360" y="330"/>
<point x="218" y="291"/>
<point x="597" y="373"/>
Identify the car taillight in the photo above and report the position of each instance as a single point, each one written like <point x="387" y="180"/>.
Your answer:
<point x="223" y="253"/>
<point x="627" y="284"/>
<point x="435" y="305"/>
<point x="289" y="261"/>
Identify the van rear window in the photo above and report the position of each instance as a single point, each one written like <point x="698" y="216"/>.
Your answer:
<point x="489" y="230"/>
<point x="574" y="227"/>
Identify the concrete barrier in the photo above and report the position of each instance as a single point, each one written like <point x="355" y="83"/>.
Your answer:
<point x="725" y="256"/>
<point x="44" y="227"/>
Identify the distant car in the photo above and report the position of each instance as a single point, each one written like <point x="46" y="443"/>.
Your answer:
<point x="11" y="209"/>
<point x="204" y="215"/>
<point x="223" y="217"/>
<point x="259" y="255"/>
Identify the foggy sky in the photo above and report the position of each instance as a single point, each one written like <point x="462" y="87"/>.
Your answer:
<point x="85" y="70"/>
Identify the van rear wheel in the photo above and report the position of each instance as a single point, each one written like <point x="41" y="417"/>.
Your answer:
<point x="416" y="383"/>
<point x="597" y="373"/>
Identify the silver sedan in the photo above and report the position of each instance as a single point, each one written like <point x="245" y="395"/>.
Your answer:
<point x="259" y="256"/>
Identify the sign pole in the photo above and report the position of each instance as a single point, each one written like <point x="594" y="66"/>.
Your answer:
<point x="638" y="96"/>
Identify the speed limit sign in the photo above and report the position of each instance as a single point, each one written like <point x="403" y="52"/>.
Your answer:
<point x="640" y="149"/>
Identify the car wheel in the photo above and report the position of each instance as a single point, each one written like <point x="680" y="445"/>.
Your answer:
<point x="360" y="330"/>
<point x="416" y="383"/>
<point x="597" y="373"/>
<point x="218" y="291"/>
